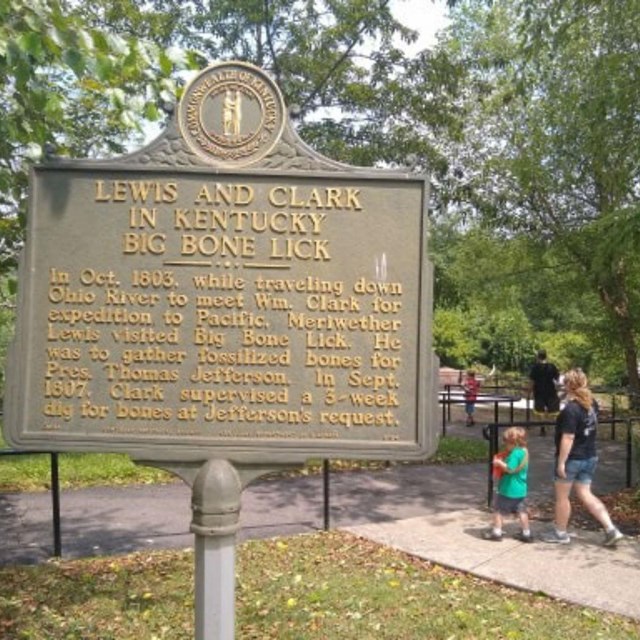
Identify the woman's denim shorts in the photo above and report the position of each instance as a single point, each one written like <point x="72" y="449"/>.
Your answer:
<point x="580" y="471"/>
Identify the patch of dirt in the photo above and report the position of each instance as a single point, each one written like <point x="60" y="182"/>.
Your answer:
<point x="623" y="507"/>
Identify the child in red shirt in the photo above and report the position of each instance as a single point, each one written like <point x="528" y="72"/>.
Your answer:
<point x="471" y="387"/>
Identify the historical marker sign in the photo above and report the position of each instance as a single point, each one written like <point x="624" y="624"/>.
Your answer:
<point x="225" y="292"/>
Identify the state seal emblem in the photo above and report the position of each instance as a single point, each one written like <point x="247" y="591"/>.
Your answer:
<point x="232" y="113"/>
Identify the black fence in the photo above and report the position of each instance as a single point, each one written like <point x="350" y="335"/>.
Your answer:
<point x="452" y="396"/>
<point x="492" y="433"/>
<point x="55" y="492"/>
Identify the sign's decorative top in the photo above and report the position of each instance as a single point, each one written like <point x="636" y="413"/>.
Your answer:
<point x="232" y="114"/>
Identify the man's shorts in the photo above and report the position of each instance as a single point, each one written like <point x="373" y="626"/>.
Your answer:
<point x="507" y="506"/>
<point x="546" y="404"/>
<point x="579" y="471"/>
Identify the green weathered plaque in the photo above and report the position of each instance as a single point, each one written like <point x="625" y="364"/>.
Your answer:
<point x="224" y="292"/>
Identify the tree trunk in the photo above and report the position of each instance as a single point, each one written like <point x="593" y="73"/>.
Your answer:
<point x="616" y="305"/>
<point x="627" y="338"/>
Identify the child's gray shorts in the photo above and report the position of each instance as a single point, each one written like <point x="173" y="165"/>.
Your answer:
<point x="507" y="506"/>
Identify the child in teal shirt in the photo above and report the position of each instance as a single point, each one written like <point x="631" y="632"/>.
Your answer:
<point x="512" y="487"/>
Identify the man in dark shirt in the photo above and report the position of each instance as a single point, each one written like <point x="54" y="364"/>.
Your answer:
<point x="544" y="377"/>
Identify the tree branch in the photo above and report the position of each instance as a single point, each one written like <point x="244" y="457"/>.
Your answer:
<point x="268" y="24"/>
<point x="340" y="60"/>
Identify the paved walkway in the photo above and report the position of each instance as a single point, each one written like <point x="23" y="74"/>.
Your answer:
<point x="434" y="512"/>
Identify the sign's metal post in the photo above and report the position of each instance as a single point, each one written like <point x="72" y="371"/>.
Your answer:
<point x="216" y="490"/>
<point x="214" y="587"/>
<point x="215" y="507"/>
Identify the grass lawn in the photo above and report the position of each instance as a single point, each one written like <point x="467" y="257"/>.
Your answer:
<point x="323" y="586"/>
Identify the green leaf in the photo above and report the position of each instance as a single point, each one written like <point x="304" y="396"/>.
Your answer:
<point x="117" y="97"/>
<point x="53" y="107"/>
<point x="117" y="44"/>
<point x="75" y="60"/>
<point x="55" y="36"/>
<point x="103" y="66"/>
<point x="31" y="44"/>
<point x="151" y="111"/>
<point x="100" y="42"/>
<point x="166" y="66"/>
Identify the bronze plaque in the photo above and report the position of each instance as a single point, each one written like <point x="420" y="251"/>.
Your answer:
<point x="181" y="314"/>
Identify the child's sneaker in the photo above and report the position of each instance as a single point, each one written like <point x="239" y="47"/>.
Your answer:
<point x="612" y="537"/>
<point x="553" y="537"/>
<point x="524" y="537"/>
<point x="492" y="535"/>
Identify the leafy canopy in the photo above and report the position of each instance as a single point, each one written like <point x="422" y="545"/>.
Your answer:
<point x="71" y="88"/>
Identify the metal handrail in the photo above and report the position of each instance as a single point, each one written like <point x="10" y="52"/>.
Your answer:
<point x="447" y="401"/>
